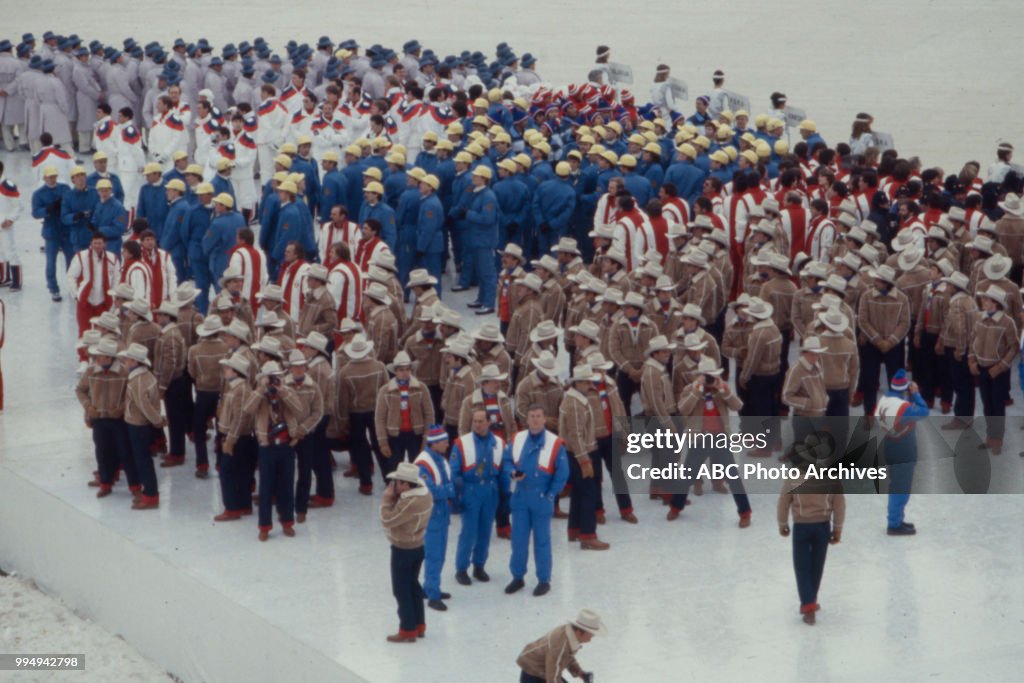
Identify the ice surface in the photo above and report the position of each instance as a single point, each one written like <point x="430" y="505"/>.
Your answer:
<point x="696" y="599"/>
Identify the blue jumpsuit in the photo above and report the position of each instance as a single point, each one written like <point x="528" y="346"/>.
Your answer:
<point x="219" y="240"/>
<point x="476" y="482"/>
<point x="386" y="216"/>
<point x="553" y="206"/>
<point x="533" y="500"/>
<point x="46" y="202"/>
<point x="173" y="237"/>
<point x="199" y="218"/>
<point x="430" y="235"/>
<point x="435" y="472"/>
<point x="115" y="181"/>
<point x="407" y="215"/>
<point x="111" y="219"/>
<point x="152" y="206"/>
<point x="901" y="454"/>
<point x="75" y="212"/>
<point x="333" y="190"/>
<point x="688" y="179"/>
<point x="482" y="217"/>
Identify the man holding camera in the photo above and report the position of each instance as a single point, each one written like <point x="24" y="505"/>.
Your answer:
<point x="544" y="660"/>
<point x="276" y="409"/>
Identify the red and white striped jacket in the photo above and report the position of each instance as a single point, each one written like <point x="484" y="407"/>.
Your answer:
<point x="253" y="266"/>
<point x="293" y="285"/>
<point x="345" y="284"/>
<point x="330" y="234"/>
<point x="676" y="211"/>
<point x="164" y="278"/>
<point x="139" y="277"/>
<point x="86" y="276"/>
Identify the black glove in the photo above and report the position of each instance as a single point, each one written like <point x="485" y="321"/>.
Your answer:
<point x="79" y="215"/>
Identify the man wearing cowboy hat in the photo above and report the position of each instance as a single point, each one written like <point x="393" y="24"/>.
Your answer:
<point x="933" y="369"/>
<point x="460" y="373"/>
<point x="1010" y="232"/>
<point x="271" y="299"/>
<point x="897" y="414"/>
<point x="402" y="414"/>
<point x="512" y="261"/>
<point x="543" y="337"/>
<point x="656" y="398"/>
<point x="489" y="346"/>
<point x="308" y="417"/>
<point x="422" y="285"/>
<point x="614" y="268"/>
<point x="542" y="387"/>
<point x="883" y="318"/>
<point x="275" y="409"/>
<point x="994" y="344"/>
<point x="272" y="326"/>
<point x="406" y="508"/>
<point x="998" y="270"/>
<point x="437" y="475"/>
<point x="490" y="398"/>
<point x="357" y="385"/>
<point x="319" y="311"/>
<point x="142" y="417"/>
<point x="526" y="316"/>
<point x="204" y="367"/>
<point x="535" y="468"/>
<point x="545" y="659"/>
<point x="169" y="359"/>
<point x="237" y="447"/>
<point x="552" y="296"/>
<point x="381" y="325"/>
<point x="569" y="258"/>
<point x="840" y="362"/>
<point x="804" y="388"/>
<point x="316" y="349"/>
<point x="802" y="311"/>
<point x="577" y="429"/>
<point x="958" y="324"/>
<point x="141" y="328"/>
<point x="101" y="391"/>
<point x="628" y="340"/>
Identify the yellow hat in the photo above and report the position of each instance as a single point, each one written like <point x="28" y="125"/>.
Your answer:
<point x="610" y="156"/>
<point x="342" y="53"/>
<point x="660" y="123"/>
<point x="104" y="184"/>
<point x="179" y="155"/>
<point x="781" y="147"/>
<point x="431" y="180"/>
<point x="304" y="140"/>
<point x="204" y="188"/>
<point x="690" y="128"/>
<point x="723" y="133"/>
<point x="653" y="148"/>
<point x="627" y="160"/>
<point x="809" y="125"/>
<point x="289" y="148"/>
<point x="727" y="115"/>
<point x="760" y="120"/>
<point x="176" y="184"/>
<point x="563" y="168"/>
<point x="417" y="173"/>
<point x="509" y="165"/>
<point x="646" y="125"/>
<point x="284" y="161"/>
<point x="587" y="140"/>
<point x="329" y="155"/>
<point x="583" y="130"/>
<point x="574" y="154"/>
<point x="720" y="157"/>
<point x="297" y="178"/>
<point x="194" y="169"/>
<point x="775" y="123"/>
<point x="494" y="95"/>
<point x="683" y="136"/>
<point x="503" y="137"/>
<point x="224" y="164"/>
<point x="481" y="103"/>
<point x="454" y="129"/>
<point x="543" y="146"/>
<point x="380" y="143"/>
<point x="483" y="172"/>
<point x="224" y="199"/>
<point x="364" y="143"/>
<point x="463" y="157"/>
<point x="495" y="129"/>
<point x="597" y="149"/>
<point x="400" y="149"/>
<point x="481" y="121"/>
<point x="279" y="177"/>
<point x="748" y="137"/>
<point x="373" y="172"/>
<point x="475" y="149"/>
<point x="430" y="136"/>
<point x="600" y="130"/>
<point x="396" y="158"/>
<point x="687" y="150"/>
<point x="151" y="167"/>
<point x="524" y="160"/>
<point x="702" y="141"/>
<point x="49" y="171"/>
<point x="476" y="135"/>
<point x="288" y="186"/>
<point x="637" y="139"/>
<point x="731" y="151"/>
<point x="650" y="136"/>
<point x="615" y="126"/>
<point x="763" y="149"/>
<point x="742" y="112"/>
<point x="77" y="170"/>
<point x="354" y="150"/>
<point x="374" y="187"/>
<point x="750" y="155"/>
<point x="445" y="145"/>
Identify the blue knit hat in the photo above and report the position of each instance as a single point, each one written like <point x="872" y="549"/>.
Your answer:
<point x="900" y="382"/>
<point x="436" y="433"/>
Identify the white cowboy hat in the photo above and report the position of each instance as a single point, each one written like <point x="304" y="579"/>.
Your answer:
<point x="514" y="250"/>
<point x="270" y="319"/>
<point x="136" y="352"/>
<point x="122" y="291"/>
<point x="812" y="345"/>
<point x="996" y="267"/>
<point x="909" y="258"/>
<point x="186" y="293"/>
<point x="211" y="326"/>
<point x="378" y="292"/>
<point x="104" y="347"/>
<point x="566" y="245"/>
<point x="884" y="273"/>
<point x="489" y="332"/>
<point x="491" y="373"/>
<point x="360" y="347"/>
<point x="545" y="362"/>
<point x="660" y="343"/>
<point x="401" y="360"/>
<point x="760" y="309"/>
<point x="958" y="280"/>
<point x="238" y="329"/>
<point x="232" y="273"/>
<point x="406" y="472"/>
<point x="270" y="346"/>
<point x="385" y="260"/>
<point x="587" y="328"/>
<point x="548" y="263"/>
<point x="237" y="362"/>
<point x="270" y="369"/>
<point x="314" y="340"/>
<point x="271" y="293"/>
<point x="996" y="294"/>
<point x="1012" y="205"/>
<point x="167" y="308"/>
<point x="708" y="366"/>
<point x="421" y="278"/>
<point x="598" y="362"/>
<point x="140" y="307"/>
<point x="531" y="281"/>
<point x="834" y="320"/>
<point x="583" y="373"/>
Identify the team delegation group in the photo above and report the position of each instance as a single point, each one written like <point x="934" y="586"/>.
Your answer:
<point x="656" y="248"/>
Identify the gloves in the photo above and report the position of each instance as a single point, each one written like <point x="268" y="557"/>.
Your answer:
<point x="545" y="228"/>
<point x="79" y="216"/>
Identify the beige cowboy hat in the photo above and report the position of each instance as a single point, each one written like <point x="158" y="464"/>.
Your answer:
<point x="491" y="373"/>
<point x="884" y="273"/>
<point x="834" y="321"/>
<point x="812" y="345"/>
<point x="634" y="299"/>
<point x="140" y="307"/>
<point x="211" y="326"/>
<point x="401" y="360"/>
<point x="996" y="267"/>
<point x="122" y="290"/>
<point x="315" y="340"/>
<point x="237" y="362"/>
<point x="599" y="362"/>
<point x="531" y="281"/>
<point x="958" y="280"/>
<point x="360" y="347"/>
<point x="232" y="273"/>
<point x="708" y="366"/>
<point x="489" y="332"/>
<point x="545" y="362"/>
<point x="378" y="292"/>
<point x="909" y="258"/>
<point x="566" y="245"/>
<point x="408" y="473"/>
<point x="546" y="330"/>
<point x="270" y="319"/>
<point x="104" y="347"/>
<point x="238" y="329"/>
<point x="995" y="294"/>
<point x="136" y="352"/>
<point x="270" y="369"/>
<point x="271" y="293"/>
<point x="587" y="328"/>
<point x="1012" y="204"/>
<point x="660" y="343"/>
<point x="270" y="346"/>
<point x="421" y="278"/>
<point x="167" y="308"/>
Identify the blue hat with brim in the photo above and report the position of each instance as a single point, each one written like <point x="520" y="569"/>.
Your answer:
<point x="411" y="46"/>
<point x="48" y="66"/>
<point x="129" y="43"/>
<point x="180" y="42"/>
<point x="216" y="61"/>
<point x="324" y="42"/>
<point x="27" y="37"/>
<point x="35" y="62"/>
<point x="229" y="51"/>
<point x="137" y="52"/>
<point x="528" y="60"/>
<point x="378" y="62"/>
<point x="244" y="47"/>
<point x="114" y="56"/>
<point x="5" y="45"/>
<point x="268" y="77"/>
<point x="276" y="59"/>
<point x="49" y="35"/>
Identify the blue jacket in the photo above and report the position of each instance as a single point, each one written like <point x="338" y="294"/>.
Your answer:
<point x="173" y="237"/>
<point x="386" y="215"/>
<point x="655" y="176"/>
<point x="916" y="411"/>
<point x="430" y="226"/>
<point x="152" y="206"/>
<point x="333" y="190"/>
<point x="111" y="219"/>
<point x="541" y="171"/>
<point x="639" y="187"/>
<point x="353" y="176"/>
<point x="445" y="172"/>
<point x="537" y="483"/>
<point x="553" y="204"/>
<point x="114" y="179"/>
<point x="394" y="185"/>
<point x="289" y="227"/>
<point x="482" y="479"/>
<point x="222" y="184"/>
<point x="307" y="238"/>
<point x="688" y="179"/>
<point x="462" y="188"/>
<point x="220" y="239"/>
<point x="79" y="203"/>
<point x="407" y="215"/>
<point x="46" y="202"/>
<point x="376" y="162"/>
<point x="515" y="203"/>
<point x="811" y="141"/>
<point x="307" y="167"/>
<point x="199" y="218"/>
<point x="482" y="218"/>
<point x="437" y="479"/>
<point x="427" y="161"/>
<point x="268" y="222"/>
<point x="174" y="174"/>
<point x="604" y="177"/>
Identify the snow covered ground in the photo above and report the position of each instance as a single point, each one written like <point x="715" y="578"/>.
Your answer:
<point x="688" y="601"/>
<point x="34" y="623"/>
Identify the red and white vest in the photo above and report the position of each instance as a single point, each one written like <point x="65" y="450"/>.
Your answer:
<point x="548" y="452"/>
<point x="467" y="445"/>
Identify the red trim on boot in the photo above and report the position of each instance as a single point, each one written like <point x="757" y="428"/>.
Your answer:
<point x="504" y="531"/>
<point x="266" y="528"/>
<point x="587" y="537"/>
<point x="203" y="468"/>
<point x="806" y="609"/>
<point x="410" y="634"/>
<point x="366" y="490"/>
<point x="421" y="631"/>
<point x="287" y="525"/>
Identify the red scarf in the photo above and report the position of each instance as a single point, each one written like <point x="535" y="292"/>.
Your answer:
<point x="365" y="251"/>
<point x="106" y="278"/>
<point x="286" y="279"/>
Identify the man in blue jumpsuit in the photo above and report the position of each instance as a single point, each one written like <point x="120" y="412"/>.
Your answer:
<point x="152" y="204"/>
<point x="172" y="234"/>
<point x="46" y="203"/>
<point x="897" y="413"/>
<point x="553" y="206"/>
<point x="429" y="228"/>
<point x="476" y="472"/>
<point x="407" y="217"/>
<point x="438" y="477"/>
<point x="76" y="209"/>
<point x="536" y="462"/>
<point x="482" y="217"/>
<point x="199" y="218"/>
<point x="222" y="236"/>
<point x="110" y="217"/>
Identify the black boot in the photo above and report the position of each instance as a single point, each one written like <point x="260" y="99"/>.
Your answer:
<point x="15" y="278"/>
<point x="480" y="575"/>
<point x="462" y="578"/>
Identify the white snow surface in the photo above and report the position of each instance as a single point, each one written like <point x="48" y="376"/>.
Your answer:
<point x="34" y="623"/>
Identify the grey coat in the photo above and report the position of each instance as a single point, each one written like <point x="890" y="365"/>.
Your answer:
<point x="87" y="94"/>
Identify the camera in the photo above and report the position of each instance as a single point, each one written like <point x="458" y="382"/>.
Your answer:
<point x="710" y="381"/>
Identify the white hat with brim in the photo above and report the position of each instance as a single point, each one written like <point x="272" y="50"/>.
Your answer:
<point x="1012" y="204"/>
<point x="909" y="258"/>
<point x="108" y="321"/>
<point x="270" y="369"/>
<point x="401" y="360"/>
<point x="904" y="240"/>
<point x="834" y="321"/>
<point x="884" y="273"/>
<point x="137" y="353"/>
<point x="531" y="282"/>
<point x="314" y="340"/>
<point x="812" y="345"/>
<point x="587" y="328"/>
<point x="598" y="362"/>
<point x="691" y="341"/>
<point x="185" y="294"/>
<point x="491" y="373"/>
<point x="360" y="347"/>
<point x="994" y="293"/>
<point x="88" y="339"/>
<point x="489" y="332"/>
<point x="760" y="309"/>
<point x="211" y="326"/>
<point x="616" y="255"/>
<point x="566" y="245"/>
<point x="104" y="347"/>
<point x="660" y="343"/>
<point x="583" y="373"/>
<point x="122" y="291"/>
<point x="996" y="267"/>
<point x="349" y="325"/>
<point x="545" y="362"/>
<point x="385" y="260"/>
<point x="231" y="273"/>
<point x="270" y="346"/>
<point x="270" y="319"/>
<point x="408" y="473"/>
<point x="237" y="362"/>
<point x="378" y="292"/>
<point x="271" y="293"/>
<point x="708" y="366"/>
<point x="958" y="280"/>
<point x="514" y="250"/>
<point x="421" y="278"/>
